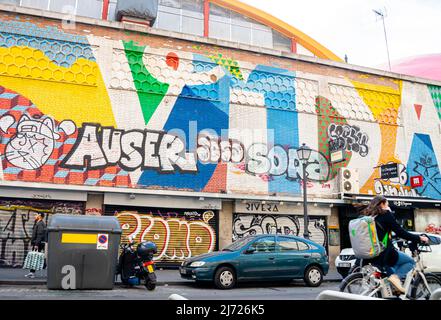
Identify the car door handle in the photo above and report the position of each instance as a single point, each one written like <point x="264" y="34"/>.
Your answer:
<point x="272" y="258"/>
<point x="306" y="255"/>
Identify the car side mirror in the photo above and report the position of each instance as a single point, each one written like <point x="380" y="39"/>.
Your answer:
<point x="250" y="250"/>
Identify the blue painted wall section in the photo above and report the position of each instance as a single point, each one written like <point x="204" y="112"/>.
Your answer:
<point x="423" y="162"/>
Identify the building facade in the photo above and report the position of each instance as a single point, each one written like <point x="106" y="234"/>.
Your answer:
<point x="191" y="141"/>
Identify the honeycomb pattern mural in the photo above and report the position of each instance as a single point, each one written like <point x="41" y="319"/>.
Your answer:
<point x="62" y="53"/>
<point x="277" y="87"/>
<point x="47" y="32"/>
<point x="348" y="103"/>
<point x="307" y="91"/>
<point x="384" y="102"/>
<point x="245" y="97"/>
<point x="26" y="62"/>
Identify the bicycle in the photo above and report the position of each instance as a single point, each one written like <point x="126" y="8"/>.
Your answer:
<point x="369" y="280"/>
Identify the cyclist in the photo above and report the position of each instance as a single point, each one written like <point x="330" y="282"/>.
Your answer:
<point x="397" y="264"/>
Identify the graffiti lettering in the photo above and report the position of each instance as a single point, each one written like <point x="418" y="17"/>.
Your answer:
<point x="98" y="147"/>
<point x="214" y="150"/>
<point x="279" y="161"/>
<point x="388" y="189"/>
<point x="395" y="186"/>
<point x="16" y="222"/>
<point x="427" y="167"/>
<point x="348" y="137"/>
<point x="176" y="238"/>
<point x="245" y="225"/>
<point x="94" y="212"/>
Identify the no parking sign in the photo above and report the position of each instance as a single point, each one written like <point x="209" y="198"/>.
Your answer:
<point x="102" y="242"/>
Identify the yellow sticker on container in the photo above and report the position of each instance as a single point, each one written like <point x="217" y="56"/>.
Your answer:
<point x="83" y="238"/>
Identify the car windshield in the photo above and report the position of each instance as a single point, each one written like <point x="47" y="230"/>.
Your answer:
<point x="238" y="244"/>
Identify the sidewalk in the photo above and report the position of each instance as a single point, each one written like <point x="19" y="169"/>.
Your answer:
<point x="16" y="276"/>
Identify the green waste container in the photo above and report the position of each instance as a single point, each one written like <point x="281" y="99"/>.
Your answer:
<point x="82" y="251"/>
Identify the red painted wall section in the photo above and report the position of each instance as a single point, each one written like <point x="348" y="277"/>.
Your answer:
<point x="293" y="45"/>
<point x="206" y="17"/>
<point x="105" y="9"/>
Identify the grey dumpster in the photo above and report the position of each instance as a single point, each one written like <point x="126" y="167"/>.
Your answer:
<point x="82" y="251"/>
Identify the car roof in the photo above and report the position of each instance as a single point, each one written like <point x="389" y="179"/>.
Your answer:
<point x="289" y="236"/>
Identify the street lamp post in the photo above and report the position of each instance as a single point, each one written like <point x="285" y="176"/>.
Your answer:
<point x="303" y="153"/>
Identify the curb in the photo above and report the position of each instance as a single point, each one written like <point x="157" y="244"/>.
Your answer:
<point x="162" y="283"/>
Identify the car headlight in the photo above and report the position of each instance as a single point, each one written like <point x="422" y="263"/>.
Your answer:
<point x="197" y="264"/>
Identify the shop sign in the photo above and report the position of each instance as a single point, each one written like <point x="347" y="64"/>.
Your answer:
<point x="261" y="207"/>
<point x="389" y="171"/>
<point x="416" y="181"/>
<point x="336" y="150"/>
<point x="401" y="204"/>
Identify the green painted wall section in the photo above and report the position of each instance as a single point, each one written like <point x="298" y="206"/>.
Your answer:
<point x="435" y="91"/>
<point x="150" y="91"/>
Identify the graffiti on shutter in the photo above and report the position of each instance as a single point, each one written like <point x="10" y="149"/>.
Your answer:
<point x="16" y="223"/>
<point x="244" y="225"/>
<point x="178" y="234"/>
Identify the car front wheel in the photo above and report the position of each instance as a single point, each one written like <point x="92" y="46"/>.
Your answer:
<point x="225" y="278"/>
<point x="313" y="276"/>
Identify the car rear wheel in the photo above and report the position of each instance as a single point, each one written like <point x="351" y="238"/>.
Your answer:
<point x="313" y="276"/>
<point x="225" y="278"/>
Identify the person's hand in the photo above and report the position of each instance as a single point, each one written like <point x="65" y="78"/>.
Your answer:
<point x="424" y="239"/>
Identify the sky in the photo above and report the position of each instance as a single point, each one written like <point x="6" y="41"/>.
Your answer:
<point x="351" y="27"/>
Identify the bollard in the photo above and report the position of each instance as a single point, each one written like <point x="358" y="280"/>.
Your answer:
<point x="337" y="295"/>
<point x="436" y="295"/>
<point x="175" y="296"/>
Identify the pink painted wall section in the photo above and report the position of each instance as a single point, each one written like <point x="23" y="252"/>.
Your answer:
<point x="427" y="66"/>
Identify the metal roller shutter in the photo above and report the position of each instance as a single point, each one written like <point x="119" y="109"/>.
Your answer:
<point x="246" y="224"/>
<point x="178" y="233"/>
<point x="16" y="223"/>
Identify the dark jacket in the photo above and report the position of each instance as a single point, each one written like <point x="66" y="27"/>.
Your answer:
<point x="39" y="233"/>
<point x="385" y="224"/>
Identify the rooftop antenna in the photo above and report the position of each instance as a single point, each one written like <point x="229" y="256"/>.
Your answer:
<point x="381" y="14"/>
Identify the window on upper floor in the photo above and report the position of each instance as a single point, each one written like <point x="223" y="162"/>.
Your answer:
<point x="16" y="2"/>
<point x="86" y="8"/>
<point x="280" y="42"/>
<point x="228" y="25"/>
<point x="186" y="16"/>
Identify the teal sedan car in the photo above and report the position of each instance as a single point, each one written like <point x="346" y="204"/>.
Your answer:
<point x="262" y="257"/>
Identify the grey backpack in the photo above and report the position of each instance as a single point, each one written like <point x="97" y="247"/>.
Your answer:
<point x="364" y="238"/>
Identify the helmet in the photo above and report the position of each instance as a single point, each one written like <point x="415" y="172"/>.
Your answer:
<point x="146" y="249"/>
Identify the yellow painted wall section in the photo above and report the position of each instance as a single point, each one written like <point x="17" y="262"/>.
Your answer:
<point x="77" y="93"/>
<point x="384" y="102"/>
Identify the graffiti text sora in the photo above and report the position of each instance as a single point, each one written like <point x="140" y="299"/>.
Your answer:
<point x="279" y="161"/>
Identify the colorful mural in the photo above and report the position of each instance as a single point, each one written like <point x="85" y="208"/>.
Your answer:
<point x="91" y="110"/>
<point x="179" y="234"/>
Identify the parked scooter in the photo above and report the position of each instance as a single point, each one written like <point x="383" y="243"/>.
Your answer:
<point x="136" y="266"/>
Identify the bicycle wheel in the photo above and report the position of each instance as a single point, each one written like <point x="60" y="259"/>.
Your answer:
<point x="355" y="284"/>
<point x="419" y="289"/>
